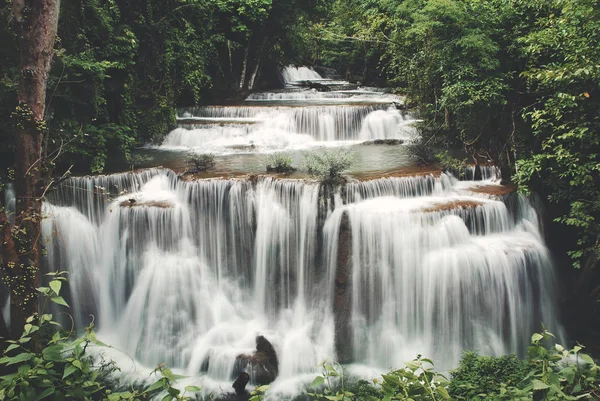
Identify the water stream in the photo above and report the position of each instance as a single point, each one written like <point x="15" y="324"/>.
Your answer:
<point x="189" y="273"/>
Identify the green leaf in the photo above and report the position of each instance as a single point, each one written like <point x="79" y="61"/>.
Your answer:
<point x="443" y="392"/>
<point x="11" y="347"/>
<point x="69" y="370"/>
<point x="319" y="380"/>
<point x="53" y="353"/>
<point x="19" y="358"/>
<point x="45" y="393"/>
<point x="59" y="301"/>
<point x="56" y="285"/>
<point x="536" y="337"/>
<point x="587" y="358"/>
<point x="193" y="389"/>
<point x="540" y="385"/>
<point x="160" y="384"/>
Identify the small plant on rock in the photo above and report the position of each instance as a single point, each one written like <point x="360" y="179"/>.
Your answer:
<point x="328" y="165"/>
<point x="280" y="163"/>
<point x="200" y="162"/>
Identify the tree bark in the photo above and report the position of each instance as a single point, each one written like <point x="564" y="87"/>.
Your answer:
<point x="36" y="24"/>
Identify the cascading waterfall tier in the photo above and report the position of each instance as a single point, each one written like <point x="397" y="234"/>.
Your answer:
<point x="191" y="272"/>
<point x="220" y="129"/>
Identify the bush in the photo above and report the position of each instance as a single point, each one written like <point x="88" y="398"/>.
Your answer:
<point x="328" y="165"/>
<point x="485" y="375"/>
<point x="202" y="162"/>
<point x="365" y="391"/>
<point x="279" y="163"/>
<point x="449" y="162"/>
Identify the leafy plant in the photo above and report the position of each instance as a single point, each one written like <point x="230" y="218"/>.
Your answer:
<point x="449" y="162"/>
<point x="202" y="162"/>
<point x="332" y="382"/>
<point x="417" y="381"/>
<point x="480" y="376"/>
<point x="258" y="393"/>
<point x="328" y="165"/>
<point x="280" y="163"/>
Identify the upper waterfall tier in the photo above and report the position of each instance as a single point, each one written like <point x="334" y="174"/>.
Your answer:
<point x="293" y="74"/>
<point x="191" y="272"/>
<point x="222" y="129"/>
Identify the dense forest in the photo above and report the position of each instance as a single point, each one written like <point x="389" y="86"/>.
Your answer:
<point x="509" y="83"/>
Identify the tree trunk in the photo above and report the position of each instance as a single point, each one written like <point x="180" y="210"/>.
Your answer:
<point x="36" y="24"/>
<point x="244" y="68"/>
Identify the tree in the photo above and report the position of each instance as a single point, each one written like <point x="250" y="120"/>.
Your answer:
<point x="36" y="24"/>
<point x="563" y="71"/>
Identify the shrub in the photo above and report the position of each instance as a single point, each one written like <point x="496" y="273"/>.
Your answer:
<point x="328" y="165"/>
<point x="365" y="391"/>
<point x="280" y="163"/>
<point x="485" y="375"/>
<point x="202" y="162"/>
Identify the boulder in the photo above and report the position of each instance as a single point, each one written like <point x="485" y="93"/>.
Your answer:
<point x="240" y="383"/>
<point x="262" y="366"/>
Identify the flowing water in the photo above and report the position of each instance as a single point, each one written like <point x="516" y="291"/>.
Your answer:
<point x="189" y="273"/>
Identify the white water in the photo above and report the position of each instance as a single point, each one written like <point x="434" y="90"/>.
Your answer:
<point x="194" y="271"/>
<point x="282" y="128"/>
<point x="292" y="74"/>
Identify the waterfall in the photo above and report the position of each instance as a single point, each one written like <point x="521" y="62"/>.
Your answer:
<point x="292" y="74"/>
<point x="189" y="273"/>
<point x="225" y="129"/>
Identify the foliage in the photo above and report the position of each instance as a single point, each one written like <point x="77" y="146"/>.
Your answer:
<point x="551" y="373"/>
<point x="258" y="393"/>
<point x="280" y="163"/>
<point x="563" y="50"/>
<point x="417" y="381"/>
<point x="200" y="162"/>
<point x="47" y="363"/>
<point x="449" y="162"/>
<point x="331" y="382"/>
<point x="123" y="67"/>
<point x="477" y="375"/>
<point x="328" y="165"/>
<point x="365" y="391"/>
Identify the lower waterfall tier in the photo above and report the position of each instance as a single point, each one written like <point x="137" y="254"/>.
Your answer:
<point x="191" y="273"/>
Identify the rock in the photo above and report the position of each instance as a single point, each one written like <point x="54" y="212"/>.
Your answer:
<point x="342" y="300"/>
<point x="403" y="106"/>
<point x="134" y="203"/>
<point x="384" y="142"/>
<point x="318" y="86"/>
<point x="240" y="383"/>
<point x="262" y="366"/>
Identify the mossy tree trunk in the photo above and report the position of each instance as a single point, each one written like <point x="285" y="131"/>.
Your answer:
<point x="36" y="23"/>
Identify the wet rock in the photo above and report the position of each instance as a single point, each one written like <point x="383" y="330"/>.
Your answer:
<point x="134" y="203"/>
<point x="342" y="300"/>
<point x="240" y="383"/>
<point x="316" y="85"/>
<point x="403" y="106"/>
<point x="262" y="365"/>
<point x="384" y="142"/>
